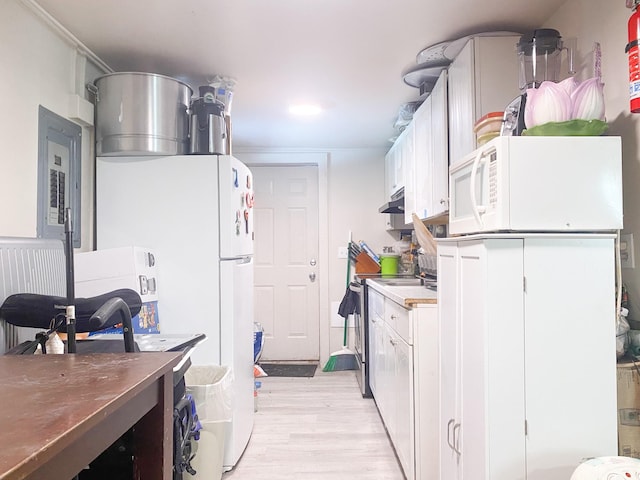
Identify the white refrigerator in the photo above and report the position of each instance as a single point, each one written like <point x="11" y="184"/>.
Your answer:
<point x="195" y="212"/>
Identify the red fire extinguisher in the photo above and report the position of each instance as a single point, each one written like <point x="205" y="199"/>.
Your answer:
<point x="634" y="57"/>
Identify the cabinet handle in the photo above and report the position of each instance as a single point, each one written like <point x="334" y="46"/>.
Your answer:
<point x="392" y="342"/>
<point x="449" y="434"/>
<point x="456" y="439"/>
<point x="393" y="317"/>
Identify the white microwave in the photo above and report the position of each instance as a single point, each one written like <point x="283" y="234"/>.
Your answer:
<point x="538" y="184"/>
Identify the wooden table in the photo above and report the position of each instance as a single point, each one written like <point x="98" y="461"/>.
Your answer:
<point x="58" y="412"/>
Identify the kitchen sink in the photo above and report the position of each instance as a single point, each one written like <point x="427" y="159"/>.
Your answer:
<point x="401" y="281"/>
<point x="430" y="284"/>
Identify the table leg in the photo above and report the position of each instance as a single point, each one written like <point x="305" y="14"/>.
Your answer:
<point x="153" y="436"/>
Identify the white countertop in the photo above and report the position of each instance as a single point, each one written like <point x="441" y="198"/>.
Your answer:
<point x="406" y="295"/>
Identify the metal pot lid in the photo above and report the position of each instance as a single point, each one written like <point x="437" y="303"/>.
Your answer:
<point x="433" y="55"/>
<point x="143" y="74"/>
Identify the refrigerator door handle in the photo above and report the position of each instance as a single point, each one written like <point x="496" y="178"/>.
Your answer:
<point x="239" y="260"/>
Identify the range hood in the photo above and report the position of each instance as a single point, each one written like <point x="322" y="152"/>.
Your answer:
<point x="395" y="205"/>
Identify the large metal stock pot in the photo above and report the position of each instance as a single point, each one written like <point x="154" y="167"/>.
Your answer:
<point x="141" y="114"/>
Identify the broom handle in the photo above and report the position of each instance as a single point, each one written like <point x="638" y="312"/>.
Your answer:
<point x="346" y="319"/>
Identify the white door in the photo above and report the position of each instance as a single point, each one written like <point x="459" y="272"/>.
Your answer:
<point x="287" y="301"/>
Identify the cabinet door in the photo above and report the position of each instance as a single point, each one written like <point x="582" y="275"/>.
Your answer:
<point x="409" y="169"/>
<point x="471" y="425"/>
<point x="375" y="304"/>
<point x="586" y="389"/>
<point x="483" y="78"/>
<point x="449" y="371"/>
<point x="404" y="164"/>
<point x="462" y="104"/>
<point x="404" y="401"/>
<point x="480" y="304"/>
<point x="496" y="73"/>
<point x="372" y="355"/>
<point x="386" y="394"/>
<point x="491" y="346"/>
<point x="426" y="387"/>
<point x="390" y="170"/>
<point x="423" y="155"/>
<point x="440" y="145"/>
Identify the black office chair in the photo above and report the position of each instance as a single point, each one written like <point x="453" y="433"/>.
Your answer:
<point x="91" y="314"/>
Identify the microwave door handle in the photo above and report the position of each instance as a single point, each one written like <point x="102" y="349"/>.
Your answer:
<point x="474" y="171"/>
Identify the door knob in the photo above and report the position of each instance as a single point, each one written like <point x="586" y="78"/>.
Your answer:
<point x="312" y="276"/>
<point x="312" y="262"/>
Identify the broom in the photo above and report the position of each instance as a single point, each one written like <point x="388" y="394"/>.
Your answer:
<point x="343" y="359"/>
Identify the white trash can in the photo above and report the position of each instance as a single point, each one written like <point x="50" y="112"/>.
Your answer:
<point x="211" y="388"/>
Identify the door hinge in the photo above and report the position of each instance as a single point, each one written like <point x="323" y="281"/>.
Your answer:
<point x="526" y="428"/>
<point x="524" y="284"/>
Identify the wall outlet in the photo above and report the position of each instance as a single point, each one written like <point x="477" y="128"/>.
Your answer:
<point x="343" y="252"/>
<point x="626" y="251"/>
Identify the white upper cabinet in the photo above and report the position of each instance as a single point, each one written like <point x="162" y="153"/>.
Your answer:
<point x="421" y="199"/>
<point x="396" y="159"/>
<point x="483" y="78"/>
<point x="440" y="136"/>
<point x="391" y="183"/>
<point x="415" y="171"/>
<point x="431" y="159"/>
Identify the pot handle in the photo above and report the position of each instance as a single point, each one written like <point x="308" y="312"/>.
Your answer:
<point x="93" y="89"/>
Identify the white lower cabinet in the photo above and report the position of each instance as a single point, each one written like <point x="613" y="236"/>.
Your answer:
<point x="528" y="362"/>
<point x="402" y="353"/>
<point x="404" y="380"/>
<point x="375" y="309"/>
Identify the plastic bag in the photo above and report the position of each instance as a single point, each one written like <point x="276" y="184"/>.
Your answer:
<point x="622" y="336"/>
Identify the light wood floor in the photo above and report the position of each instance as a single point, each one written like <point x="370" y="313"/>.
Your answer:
<point x="316" y="428"/>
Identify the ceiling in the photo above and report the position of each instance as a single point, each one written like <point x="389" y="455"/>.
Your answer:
<point x="346" y="55"/>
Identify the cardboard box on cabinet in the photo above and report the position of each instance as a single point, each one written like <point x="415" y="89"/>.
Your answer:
<point x="628" y="409"/>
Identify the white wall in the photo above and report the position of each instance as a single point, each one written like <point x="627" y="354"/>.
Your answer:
<point x="606" y="22"/>
<point x="39" y="67"/>
<point x="357" y="187"/>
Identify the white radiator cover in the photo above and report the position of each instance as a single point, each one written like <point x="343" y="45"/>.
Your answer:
<point x="29" y="265"/>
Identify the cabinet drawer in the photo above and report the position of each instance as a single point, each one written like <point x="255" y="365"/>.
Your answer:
<point x="398" y="318"/>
